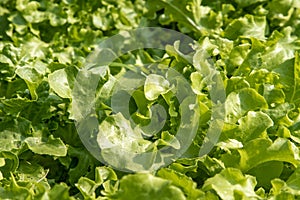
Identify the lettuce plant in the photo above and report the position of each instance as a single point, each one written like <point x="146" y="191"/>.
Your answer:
<point x="253" y="47"/>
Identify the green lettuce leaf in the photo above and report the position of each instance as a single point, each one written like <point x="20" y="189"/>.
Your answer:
<point x="232" y="184"/>
<point x="147" y="186"/>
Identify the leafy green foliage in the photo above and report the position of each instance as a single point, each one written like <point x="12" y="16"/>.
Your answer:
<point x="255" y="45"/>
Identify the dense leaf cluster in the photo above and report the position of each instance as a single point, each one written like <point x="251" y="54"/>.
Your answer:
<point x="254" y="44"/>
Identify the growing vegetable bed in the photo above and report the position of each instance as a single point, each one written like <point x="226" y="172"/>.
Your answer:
<point x="94" y="104"/>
